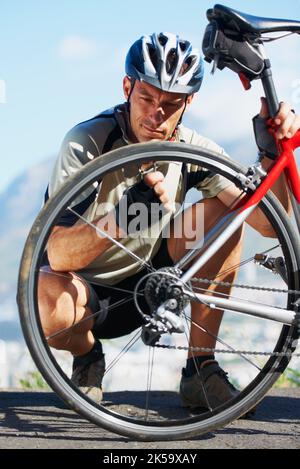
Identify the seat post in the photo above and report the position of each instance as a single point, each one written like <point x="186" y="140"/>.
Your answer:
<point x="269" y="88"/>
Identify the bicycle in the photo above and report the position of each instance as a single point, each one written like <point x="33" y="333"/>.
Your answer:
<point x="148" y="414"/>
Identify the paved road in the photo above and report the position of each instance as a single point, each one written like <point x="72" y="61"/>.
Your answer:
<point x="41" y="420"/>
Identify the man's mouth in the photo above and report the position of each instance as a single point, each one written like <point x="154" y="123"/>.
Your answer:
<point x="152" y="130"/>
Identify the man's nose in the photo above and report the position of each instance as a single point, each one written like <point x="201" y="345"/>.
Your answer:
<point x="158" y="115"/>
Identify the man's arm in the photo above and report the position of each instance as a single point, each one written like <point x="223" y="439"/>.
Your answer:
<point x="75" y="247"/>
<point x="288" y="124"/>
<point x="257" y="219"/>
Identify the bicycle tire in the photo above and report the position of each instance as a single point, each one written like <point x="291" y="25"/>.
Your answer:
<point x="27" y="293"/>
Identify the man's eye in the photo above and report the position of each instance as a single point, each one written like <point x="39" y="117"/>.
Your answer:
<point x="174" y="105"/>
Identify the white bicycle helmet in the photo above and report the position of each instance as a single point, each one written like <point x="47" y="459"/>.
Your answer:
<point x="166" y="62"/>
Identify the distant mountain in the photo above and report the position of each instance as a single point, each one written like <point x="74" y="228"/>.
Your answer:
<point x="19" y="205"/>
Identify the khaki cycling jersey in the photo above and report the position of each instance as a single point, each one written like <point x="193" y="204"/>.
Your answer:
<point x="108" y="131"/>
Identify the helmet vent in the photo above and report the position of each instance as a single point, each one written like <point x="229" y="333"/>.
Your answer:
<point x="171" y="61"/>
<point x="162" y="39"/>
<point x="183" y="45"/>
<point x="187" y="65"/>
<point x="152" y="55"/>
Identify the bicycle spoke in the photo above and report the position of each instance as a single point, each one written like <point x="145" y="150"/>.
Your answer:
<point x="243" y="263"/>
<point x="197" y="367"/>
<point x="228" y="295"/>
<point x="114" y="241"/>
<point x="221" y="341"/>
<point x="111" y="287"/>
<point x="226" y="214"/>
<point x="124" y="350"/>
<point x="149" y="379"/>
<point x="91" y="316"/>
<point x="143" y="246"/>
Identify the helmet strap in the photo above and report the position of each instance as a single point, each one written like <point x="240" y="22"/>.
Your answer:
<point x="132" y="82"/>
<point x="184" y="109"/>
<point x="180" y="119"/>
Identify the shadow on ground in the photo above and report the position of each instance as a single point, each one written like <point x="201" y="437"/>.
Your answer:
<point x="29" y="415"/>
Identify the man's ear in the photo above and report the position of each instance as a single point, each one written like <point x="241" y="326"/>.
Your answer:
<point x="126" y="87"/>
<point x="190" y="99"/>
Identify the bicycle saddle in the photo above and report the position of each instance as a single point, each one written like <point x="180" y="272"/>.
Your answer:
<point x="245" y="24"/>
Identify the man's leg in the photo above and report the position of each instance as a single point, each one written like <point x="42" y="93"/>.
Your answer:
<point x="221" y="267"/>
<point x="63" y="299"/>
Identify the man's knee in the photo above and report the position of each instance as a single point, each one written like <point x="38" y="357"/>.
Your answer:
<point x="51" y="289"/>
<point x="62" y="300"/>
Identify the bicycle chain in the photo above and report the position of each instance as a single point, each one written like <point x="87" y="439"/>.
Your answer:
<point x="233" y="352"/>
<point x="247" y="287"/>
<point x="236" y="352"/>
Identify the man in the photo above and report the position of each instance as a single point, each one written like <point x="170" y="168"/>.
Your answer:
<point x="163" y="73"/>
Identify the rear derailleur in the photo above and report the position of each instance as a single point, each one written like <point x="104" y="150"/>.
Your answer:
<point x="167" y="302"/>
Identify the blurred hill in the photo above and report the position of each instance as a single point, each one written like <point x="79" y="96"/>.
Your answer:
<point x="19" y="205"/>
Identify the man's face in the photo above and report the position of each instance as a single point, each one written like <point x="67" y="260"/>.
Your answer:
<point x="154" y="114"/>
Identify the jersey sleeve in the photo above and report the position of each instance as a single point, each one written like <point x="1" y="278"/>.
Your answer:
<point x="77" y="149"/>
<point x="211" y="184"/>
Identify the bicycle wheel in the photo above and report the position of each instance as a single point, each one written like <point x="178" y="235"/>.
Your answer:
<point x="140" y="386"/>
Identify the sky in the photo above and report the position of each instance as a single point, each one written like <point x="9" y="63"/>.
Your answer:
<point x="62" y="62"/>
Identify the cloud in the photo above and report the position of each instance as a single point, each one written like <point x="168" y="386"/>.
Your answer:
<point x="77" y="48"/>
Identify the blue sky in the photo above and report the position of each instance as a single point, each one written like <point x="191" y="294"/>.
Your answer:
<point x="62" y="62"/>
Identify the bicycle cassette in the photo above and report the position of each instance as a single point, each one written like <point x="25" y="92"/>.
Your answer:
<point x="162" y="288"/>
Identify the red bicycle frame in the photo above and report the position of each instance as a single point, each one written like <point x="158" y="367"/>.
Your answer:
<point x="286" y="163"/>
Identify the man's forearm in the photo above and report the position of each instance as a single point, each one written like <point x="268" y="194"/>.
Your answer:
<point x="73" y="248"/>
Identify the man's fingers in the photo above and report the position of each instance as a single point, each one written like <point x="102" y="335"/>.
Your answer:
<point x="153" y="178"/>
<point x="161" y="192"/>
<point x="283" y="113"/>
<point x="159" y="188"/>
<point x="294" y="127"/>
<point x="284" y="129"/>
<point x="287" y="122"/>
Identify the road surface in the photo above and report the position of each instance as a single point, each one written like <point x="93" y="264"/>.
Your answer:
<point x="41" y="420"/>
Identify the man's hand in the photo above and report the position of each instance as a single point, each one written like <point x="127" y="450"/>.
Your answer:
<point x="288" y="122"/>
<point x="156" y="181"/>
<point x="151" y="193"/>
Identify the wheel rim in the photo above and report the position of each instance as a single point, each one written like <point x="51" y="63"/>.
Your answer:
<point x="190" y="425"/>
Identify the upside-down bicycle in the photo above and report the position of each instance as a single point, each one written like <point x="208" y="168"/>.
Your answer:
<point x="255" y="345"/>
